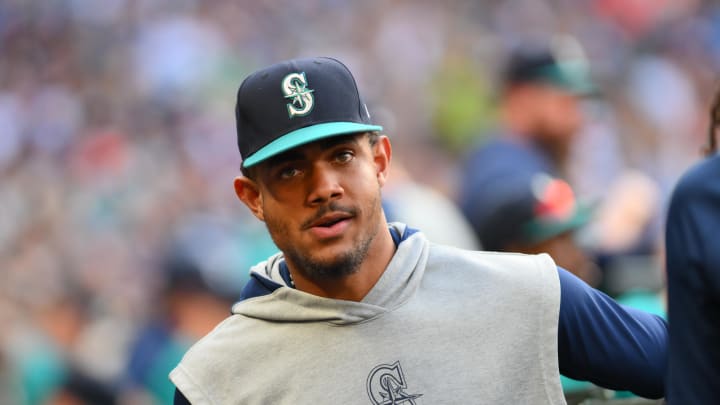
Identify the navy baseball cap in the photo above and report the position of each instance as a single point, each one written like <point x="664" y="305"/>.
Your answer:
<point x="541" y="63"/>
<point x="529" y="210"/>
<point x="295" y="102"/>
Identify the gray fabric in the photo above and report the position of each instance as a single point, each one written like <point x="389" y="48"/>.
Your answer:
<point x="441" y="326"/>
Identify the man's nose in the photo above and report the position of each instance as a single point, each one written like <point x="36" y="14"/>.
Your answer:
<point x="324" y="186"/>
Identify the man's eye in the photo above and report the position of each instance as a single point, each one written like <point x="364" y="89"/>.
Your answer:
<point x="344" y="156"/>
<point x="288" y="172"/>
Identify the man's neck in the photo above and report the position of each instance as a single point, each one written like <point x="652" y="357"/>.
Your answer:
<point x="355" y="286"/>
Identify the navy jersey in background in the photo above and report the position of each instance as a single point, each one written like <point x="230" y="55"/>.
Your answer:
<point x="693" y="267"/>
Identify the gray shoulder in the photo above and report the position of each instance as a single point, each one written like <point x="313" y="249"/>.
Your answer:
<point x="450" y="254"/>
<point x="213" y="348"/>
<point x="470" y="265"/>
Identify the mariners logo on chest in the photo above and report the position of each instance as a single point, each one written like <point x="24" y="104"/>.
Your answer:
<point x="386" y="385"/>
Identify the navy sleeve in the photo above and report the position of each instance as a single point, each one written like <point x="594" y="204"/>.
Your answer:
<point x="693" y="282"/>
<point x="180" y="398"/>
<point x="608" y="344"/>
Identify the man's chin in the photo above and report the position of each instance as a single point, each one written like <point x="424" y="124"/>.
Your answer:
<point x="326" y="250"/>
<point x="330" y="265"/>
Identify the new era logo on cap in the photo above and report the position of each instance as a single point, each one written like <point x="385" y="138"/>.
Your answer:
<point x="296" y="102"/>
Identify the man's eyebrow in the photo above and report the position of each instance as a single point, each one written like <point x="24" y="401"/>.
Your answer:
<point x="296" y="154"/>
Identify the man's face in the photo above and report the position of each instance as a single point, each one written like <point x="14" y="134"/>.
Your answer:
<point x="321" y="202"/>
<point x="558" y="119"/>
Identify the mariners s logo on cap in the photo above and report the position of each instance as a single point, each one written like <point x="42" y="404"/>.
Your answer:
<point x="295" y="88"/>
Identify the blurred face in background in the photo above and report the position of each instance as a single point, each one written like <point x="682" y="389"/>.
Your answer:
<point x="555" y="117"/>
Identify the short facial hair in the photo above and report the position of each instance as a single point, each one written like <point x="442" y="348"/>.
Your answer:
<point x="342" y="265"/>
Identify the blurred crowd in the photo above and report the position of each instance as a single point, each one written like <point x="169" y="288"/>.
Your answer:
<point x="121" y="240"/>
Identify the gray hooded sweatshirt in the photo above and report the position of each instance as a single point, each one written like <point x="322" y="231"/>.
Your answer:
<point x="441" y="326"/>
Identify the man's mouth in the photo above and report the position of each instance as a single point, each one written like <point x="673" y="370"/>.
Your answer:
<point x="329" y="220"/>
<point x="331" y="225"/>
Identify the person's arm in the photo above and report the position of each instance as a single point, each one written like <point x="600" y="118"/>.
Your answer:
<point x="609" y="344"/>
<point x="180" y="398"/>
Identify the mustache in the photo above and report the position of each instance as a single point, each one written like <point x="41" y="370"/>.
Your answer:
<point x="326" y="209"/>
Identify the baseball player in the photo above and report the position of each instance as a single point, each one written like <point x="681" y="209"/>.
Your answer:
<point x="540" y="117"/>
<point x="693" y="271"/>
<point x="354" y="309"/>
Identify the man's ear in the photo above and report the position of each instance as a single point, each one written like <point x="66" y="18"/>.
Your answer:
<point x="249" y="193"/>
<point x="382" y="153"/>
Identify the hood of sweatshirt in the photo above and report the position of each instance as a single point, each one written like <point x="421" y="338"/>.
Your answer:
<point x="270" y="294"/>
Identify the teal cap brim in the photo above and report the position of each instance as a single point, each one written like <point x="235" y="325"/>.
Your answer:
<point x="306" y="135"/>
<point x="573" y="76"/>
<point x="538" y="230"/>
